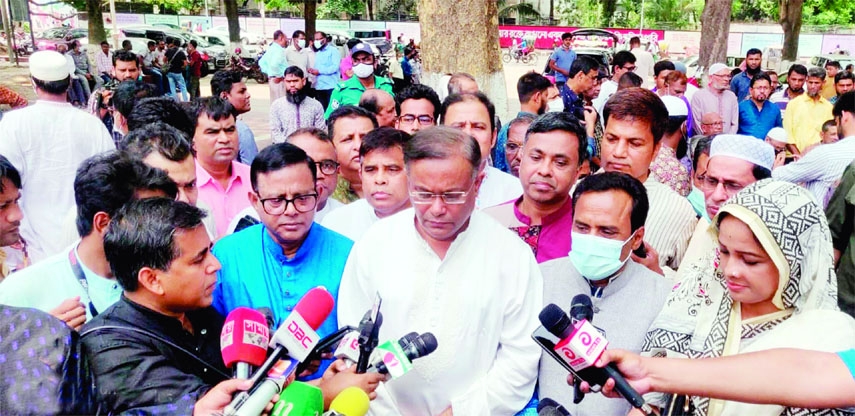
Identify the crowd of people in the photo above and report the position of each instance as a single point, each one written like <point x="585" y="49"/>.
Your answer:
<point x="712" y="223"/>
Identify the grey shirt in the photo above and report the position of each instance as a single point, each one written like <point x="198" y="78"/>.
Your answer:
<point x="628" y="306"/>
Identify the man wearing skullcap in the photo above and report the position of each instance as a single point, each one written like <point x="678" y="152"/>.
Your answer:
<point x="735" y="162"/>
<point x="717" y="98"/>
<point x="778" y="139"/>
<point x="46" y="142"/>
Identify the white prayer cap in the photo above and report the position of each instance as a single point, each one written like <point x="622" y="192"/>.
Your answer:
<point x="747" y="148"/>
<point x="48" y="66"/>
<point x="778" y="134"/>
<point x="717" y="67"/>
<point x="676" y="107"/>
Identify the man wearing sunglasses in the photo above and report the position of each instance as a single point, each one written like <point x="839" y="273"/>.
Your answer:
<point x="273" y="264"/>
<point x="444" y="268"/>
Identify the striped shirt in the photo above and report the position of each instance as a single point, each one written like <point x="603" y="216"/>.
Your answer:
<point x="670" y="223"/>
<point x="821" y="168"/>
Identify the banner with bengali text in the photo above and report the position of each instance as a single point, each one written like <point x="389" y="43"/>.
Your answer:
<point x="548" y="37"/>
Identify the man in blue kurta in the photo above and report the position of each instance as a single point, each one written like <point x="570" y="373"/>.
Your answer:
<point x="756" y="114"/>
<point x="273" y="264"/>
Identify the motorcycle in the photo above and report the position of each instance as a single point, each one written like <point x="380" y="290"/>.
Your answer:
<point x="248" y="68"/>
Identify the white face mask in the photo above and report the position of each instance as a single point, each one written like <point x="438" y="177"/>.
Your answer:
<point x="301" y="43"/>
<point x="555" y="106"/>
<point x="319" y="44"/>
<point x="363" y="70"/>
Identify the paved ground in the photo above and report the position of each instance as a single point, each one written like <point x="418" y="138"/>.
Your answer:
<point x="17" y="79"/>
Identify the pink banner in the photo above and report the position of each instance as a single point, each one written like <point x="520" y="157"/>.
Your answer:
<point x="548" y="37"/>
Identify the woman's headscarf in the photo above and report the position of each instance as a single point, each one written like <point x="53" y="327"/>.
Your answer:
<point x="699" y="318"/>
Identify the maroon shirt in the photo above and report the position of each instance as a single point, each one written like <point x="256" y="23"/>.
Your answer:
<point x="196" y="64"/>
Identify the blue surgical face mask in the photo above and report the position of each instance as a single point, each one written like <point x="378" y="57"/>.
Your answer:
<point x="597" y="258"/>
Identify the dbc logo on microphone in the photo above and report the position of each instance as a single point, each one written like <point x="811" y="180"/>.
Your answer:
<point x="300" y="334"/>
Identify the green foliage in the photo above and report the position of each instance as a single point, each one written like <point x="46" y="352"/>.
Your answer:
<point x="828" y="12"/>
<point x="332" y="9"/>
<point x="754" y="11"/>
<point x="524" y="12"/>
<point x="582" y="13"/>
<point x="391" y="10"/>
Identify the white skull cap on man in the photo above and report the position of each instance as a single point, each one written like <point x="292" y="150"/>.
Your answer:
<point x="747" y="148"/>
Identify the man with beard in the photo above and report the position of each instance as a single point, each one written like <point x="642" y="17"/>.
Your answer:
<point x="229" y="86"/>
<point x="554" y="148"/>
<point x="532" y="90"/>
<point x="806" y="113"/>
<point x="349" y="92"/>
<point x="757" y="115"/>
<point x="740" y="84"/>
<point x="717" y="98"/>
<point x="295" y="110"/>
<point x="844" y="81"/>
<point x="796" y="76"/>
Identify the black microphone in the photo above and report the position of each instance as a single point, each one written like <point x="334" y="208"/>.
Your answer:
<point x="581" y="308"/>
<point x="559" y="324"/>
<point x="549" y="407"/>
<point x="369" y="332"/>
<point x="421" y="346"/>
<point x="407" y="339"/>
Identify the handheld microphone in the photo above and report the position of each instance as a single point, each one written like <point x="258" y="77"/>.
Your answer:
<point x="397" y="360"/>
<point x="295" y="337"/>
<point x="348" y="348"/>
<point x="244" y="340"/>
<point x="299" y="399"/>
<point x="352" y="401"/>
<point x="581" y="308"/>
<point x="549" y="407"/>
<point x="580" y="347"/>
<point x="369" y="332"/>
<point x="407" y="339"/>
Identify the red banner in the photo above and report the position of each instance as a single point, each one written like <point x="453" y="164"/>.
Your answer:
<point x="548" y="37"/>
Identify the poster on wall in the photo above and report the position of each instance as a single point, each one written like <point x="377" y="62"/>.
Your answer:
<point x="409" y="30"/>
<point x="760" y="41"/>
<point x="680" y="44"/>
<point x="194" y="23"/>
<point x="734" y="44"/>
<point x="153" y="19"/>
<point x="332" y="25"/>
<point x="289" y="26"/>
<point x="838" y="43"/>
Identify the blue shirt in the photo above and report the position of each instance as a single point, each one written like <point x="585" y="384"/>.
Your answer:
<point x="256" y="274"/>
<point x="563" y="59"/>
<point x="248" y="147"/>
<point x="757" y="123"/>
<point x="328" y="62"/>
<point x="406" y="67"/>
<point x="499" y="160"/>
<point x="740" y="85"/>
<point x="274" y="62"/>
<point x="849" y="359"/>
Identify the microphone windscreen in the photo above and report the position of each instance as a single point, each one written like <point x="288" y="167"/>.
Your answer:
<point x="581" y="308"/>
<point x="244" y="337"/>
<point x="315" y="306"/>
<point x="299" y="399"/>
<point x="352" y="401"/>
<point x="555" y="320"/>
<point x="425" y="344"/>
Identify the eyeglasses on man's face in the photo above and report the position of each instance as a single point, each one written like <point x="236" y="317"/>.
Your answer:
<point x="278" y="205"/>
<point x="327" y="166"/>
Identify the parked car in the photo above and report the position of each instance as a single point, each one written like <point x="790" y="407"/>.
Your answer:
<point x="245" y="37"/>
<point x="50" y="38"/>
<point x="596" y="46"/>
<point x="821" y="60"/>
<point x="209" y="53"/>
<point x="221" y="59"/>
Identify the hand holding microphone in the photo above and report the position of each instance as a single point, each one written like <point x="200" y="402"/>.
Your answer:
<point x="340" y="376"/>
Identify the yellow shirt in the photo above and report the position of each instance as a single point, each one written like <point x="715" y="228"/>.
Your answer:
<point x="803" y="120"/>
<point x="828" y="89"/>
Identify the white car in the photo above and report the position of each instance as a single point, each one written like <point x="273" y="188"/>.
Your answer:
<point x="245" y="37"/>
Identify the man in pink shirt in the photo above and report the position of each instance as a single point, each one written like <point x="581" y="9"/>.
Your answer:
<point x="554" y="148"/>
<point x="223" y="182"/>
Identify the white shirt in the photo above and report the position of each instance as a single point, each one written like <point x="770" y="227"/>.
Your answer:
<point x="643" y="66"/>
<point x="670" y="223"/>
<point x="45" y="285"/>
<point x="606" y="91"/>
<point x="820" y="169"/>
<point x="351" y="220"/>
<point x="481" y="302"/>
<point x="690" y="91"/>
<point x="498" y="187"/>
<point x="46" y="142"/>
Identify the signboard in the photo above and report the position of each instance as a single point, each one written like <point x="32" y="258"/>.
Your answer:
<point x="734" y="44"/>
<point x="151" y="19"/>
<point x="410" y="30"/>
<point x="195" y="23"/>
<point x="835" y="43"/>
<point x="759" y="41"/>
<point x="332" y="25"/>
<point x="548" y="37"/>
<point x="683" y="43"/>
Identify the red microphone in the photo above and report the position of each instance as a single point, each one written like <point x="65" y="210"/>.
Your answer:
<point x="244" y="340"/>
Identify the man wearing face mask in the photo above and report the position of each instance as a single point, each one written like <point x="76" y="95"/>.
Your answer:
<point x="326" y="68"/>
<point x="609" y="212"/>
<point x="295" y="110"/>
<point x="350" y="91"/>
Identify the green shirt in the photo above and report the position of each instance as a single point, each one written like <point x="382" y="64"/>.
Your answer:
<point x="349" y="92"/>
<point x="841" y="222"/>
<point x="343" y="193"/>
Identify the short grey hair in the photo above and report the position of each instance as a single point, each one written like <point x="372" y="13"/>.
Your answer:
<point x="443" y="142"/>
<point x="816" y="72"/>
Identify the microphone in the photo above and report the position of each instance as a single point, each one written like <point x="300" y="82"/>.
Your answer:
<point x="348" y="348"/>
<point x="296" y="337"/>
<point x="549" y="407"/>
<point x="580" y="347"/>
<point x="407" y="339"/>
<point x="581" y="308"/>
<point x="299" y="399"/>
<point x="396" y="360"/>
<point x="369" y="332"/>
<point x="352" y="401"/>
<point x="244" y="340"/>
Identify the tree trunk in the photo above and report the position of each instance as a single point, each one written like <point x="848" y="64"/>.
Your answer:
<point x="551" y="12"/>
<point x="715" y="26"/>
<point x="96" y="22"/>
<point x="444" y="23"/>
<point x="310" y="15"/>
<point x="791" y="22"/>
<point x="369" y="5"/>
<point x="234" y="25"/>
<point x="609" y="7"/>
